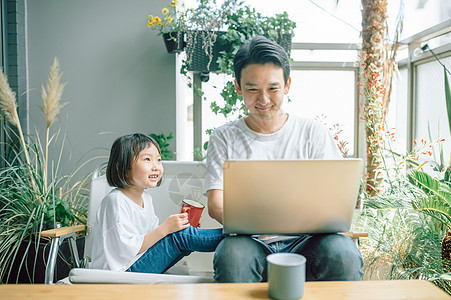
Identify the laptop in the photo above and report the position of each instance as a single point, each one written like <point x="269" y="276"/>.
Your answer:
<point x="290" y="196"/>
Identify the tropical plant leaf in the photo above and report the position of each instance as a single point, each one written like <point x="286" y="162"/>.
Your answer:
<point x="436" y="198"/>
<point x="432" y="207"/>
<point x="430" y="185"/>
<point x="447" y="97"/>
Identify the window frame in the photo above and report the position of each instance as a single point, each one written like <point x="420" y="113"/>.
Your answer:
<point x="411" y="62"/>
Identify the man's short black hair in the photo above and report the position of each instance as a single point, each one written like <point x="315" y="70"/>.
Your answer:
<point x="123" y="153"/>
<point x="261" y="50"/>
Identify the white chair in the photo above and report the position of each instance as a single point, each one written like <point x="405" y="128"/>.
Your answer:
<point x="181" y="180"/>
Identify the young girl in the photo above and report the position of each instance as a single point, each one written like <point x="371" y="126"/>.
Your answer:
<point x="127" y="234"/>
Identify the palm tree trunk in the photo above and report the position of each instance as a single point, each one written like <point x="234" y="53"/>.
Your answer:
<point x="373" y="29"/>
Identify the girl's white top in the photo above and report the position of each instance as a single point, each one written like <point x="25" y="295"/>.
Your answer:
<point x="119" y="231"/>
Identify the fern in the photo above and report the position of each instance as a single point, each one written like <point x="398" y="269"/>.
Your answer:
<point x="434" y="198"/>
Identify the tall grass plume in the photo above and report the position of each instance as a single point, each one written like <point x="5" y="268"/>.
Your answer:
<point x="32" y="198"/>
<point x="8" y="105"/>
<point x="51" y="99"/>
<point x="52" y="96"/>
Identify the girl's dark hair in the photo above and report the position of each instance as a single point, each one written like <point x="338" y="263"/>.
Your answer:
<point x="123" y="153"/>
<point x="260" y="50"/>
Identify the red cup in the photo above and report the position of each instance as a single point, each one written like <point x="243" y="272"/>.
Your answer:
<point x="194" y="210"/>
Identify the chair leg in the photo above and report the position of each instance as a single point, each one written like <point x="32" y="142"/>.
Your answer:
<point x="356" y="241"/>
<point x="50" y="268"/>
<point x="74" y="252"/>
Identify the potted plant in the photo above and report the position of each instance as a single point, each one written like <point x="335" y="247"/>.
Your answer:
<point x="408" y="224"/>
<point x="171" y="25"/>
<point x="220" y="31"/>
<point x="33" y="195"/>
<point x="211" y="33"/>
<point x="199" y="27"/>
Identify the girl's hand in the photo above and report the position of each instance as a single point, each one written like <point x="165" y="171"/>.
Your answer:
<point x="175" y="223"/>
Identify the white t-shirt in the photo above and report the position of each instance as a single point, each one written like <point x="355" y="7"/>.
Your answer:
<point x="119" y="231"/>
<point x="299" y="138"/>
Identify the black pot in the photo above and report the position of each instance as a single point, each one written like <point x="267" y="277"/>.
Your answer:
<point x="174" y="41"/>
<point x="38" y="260"/>
<point x="200" y="61"/>
<point x="285" y="41"/>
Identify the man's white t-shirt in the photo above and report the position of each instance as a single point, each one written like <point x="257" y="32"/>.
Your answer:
<point x="299" y="138"/>
<point x="119" y="231"/>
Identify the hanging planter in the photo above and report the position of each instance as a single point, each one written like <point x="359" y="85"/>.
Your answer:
<point x="284" y="40"/>
<point x="174" y="41"/>
<point x="203" y="50"/>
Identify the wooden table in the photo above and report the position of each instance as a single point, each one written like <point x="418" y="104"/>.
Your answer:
<point x="362" y="290"/>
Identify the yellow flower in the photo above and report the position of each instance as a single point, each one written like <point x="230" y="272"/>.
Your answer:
<point x="149" y="23"/>
<point x="156" y="19"/>
<point x="170" y="20"/>
<point x="165" y="11"/>
<point x="150" y="18"/>
<point x="174" y="3"/>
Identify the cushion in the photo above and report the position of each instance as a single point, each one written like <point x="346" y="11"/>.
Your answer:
<point x="106" y="276"/>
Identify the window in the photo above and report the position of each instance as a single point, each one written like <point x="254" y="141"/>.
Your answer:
<point x="324" y="74"/>
<point x="325" y="95"/>
<point x="430" y="114"/>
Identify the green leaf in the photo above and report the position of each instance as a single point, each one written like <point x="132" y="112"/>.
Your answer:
<point x="162" y="141"/>
<point x="436" y="200"/>
<point x="431" y="185"/>
<point x="448" y="98"/>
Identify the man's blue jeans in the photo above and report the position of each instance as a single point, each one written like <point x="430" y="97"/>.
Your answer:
<point x="173" y="247"/>
<point x="329" y="257"/>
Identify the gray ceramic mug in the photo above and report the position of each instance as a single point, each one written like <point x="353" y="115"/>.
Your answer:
<point x="286" y="275"/>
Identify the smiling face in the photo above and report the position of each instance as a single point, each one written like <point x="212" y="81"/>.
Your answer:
<point x="263" y="89"/>
<point x="147" y="168"/>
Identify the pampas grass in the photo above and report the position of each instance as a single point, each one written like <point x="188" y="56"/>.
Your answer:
<point x="29" y="201"/>
<point x="52" y="96"/>
<point x="51" y="105"/>
<point x="9" y="106"/>
<point x="8" y="101"/>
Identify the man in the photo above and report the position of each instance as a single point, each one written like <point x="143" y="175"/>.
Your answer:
<point x="262" y="72"/>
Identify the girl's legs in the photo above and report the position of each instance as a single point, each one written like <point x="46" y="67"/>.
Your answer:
<point x="173" y="247"/>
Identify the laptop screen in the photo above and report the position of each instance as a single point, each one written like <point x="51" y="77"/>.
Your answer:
<point x="290" y="196"/>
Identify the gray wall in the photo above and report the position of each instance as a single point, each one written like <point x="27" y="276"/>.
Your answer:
<point x="120" y="79"/>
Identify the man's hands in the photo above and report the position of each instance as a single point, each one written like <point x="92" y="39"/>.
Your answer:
<point x="175" y="223"/>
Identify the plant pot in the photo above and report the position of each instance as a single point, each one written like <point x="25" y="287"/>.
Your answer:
<point x="285" y="41"/>
<point x="174" y="41"/>
<point x="36" y="259"/>
<point x="198" y="59"/>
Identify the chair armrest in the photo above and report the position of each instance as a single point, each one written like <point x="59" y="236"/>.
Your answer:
<point x="354" y="235"/>
<point x="57" y="232"/>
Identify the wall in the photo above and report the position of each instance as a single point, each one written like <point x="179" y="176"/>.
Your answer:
<point x="120" y="79"/>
